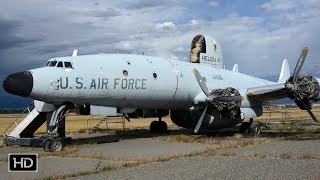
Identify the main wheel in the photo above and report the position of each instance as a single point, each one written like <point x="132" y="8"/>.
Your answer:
<point x="56" y="145"/>
<point x="244" y="127"/>
<point x="255" y="129"/>
<point x="163" y="127"/>
<point x="46" y="145"/>
<point x="154" y="127"/>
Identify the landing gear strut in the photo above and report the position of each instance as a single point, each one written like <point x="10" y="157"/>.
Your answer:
<point x="55" y="139"/>
<point x="158" y="126"/>
<point x="251" y="128"/>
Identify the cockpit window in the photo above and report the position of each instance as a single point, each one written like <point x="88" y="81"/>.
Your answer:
<point x="47" y="64"/>
<point x="68" y="65"/>
<point x="60" y="64"/>
<point x="53" y="63"/>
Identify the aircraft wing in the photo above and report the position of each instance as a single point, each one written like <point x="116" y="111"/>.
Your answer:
<point x="267" y="93"/>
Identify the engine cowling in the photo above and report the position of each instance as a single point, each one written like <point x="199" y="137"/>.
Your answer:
<point x="189" y="118"/>
<point x="221" y="113"/>
<point x="227" y="109"/>
<point x="306" y="89"/>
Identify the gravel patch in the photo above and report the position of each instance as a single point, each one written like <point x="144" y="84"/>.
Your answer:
<point x="56" y="166"/>
<point x="286" y="149"/>
<point x="141" y="149"/>
<point x="218" y="168"/>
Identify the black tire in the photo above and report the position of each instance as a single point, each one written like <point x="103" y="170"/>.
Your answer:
<point x="56" y="145"/>
<point x="163" y="127"/>
<point x="255" y="129"/>
<point x="244" y="127"/>
<point x="47" y="145"/>
<point x="154" y="127"/>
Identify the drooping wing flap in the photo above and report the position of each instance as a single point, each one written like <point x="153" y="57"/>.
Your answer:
<point x="267" y="93"/>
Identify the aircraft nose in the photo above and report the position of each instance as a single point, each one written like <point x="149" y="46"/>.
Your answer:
<point x="20" y="84"/>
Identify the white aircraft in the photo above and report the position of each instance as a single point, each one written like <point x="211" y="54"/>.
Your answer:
<point x="198" y="94"/>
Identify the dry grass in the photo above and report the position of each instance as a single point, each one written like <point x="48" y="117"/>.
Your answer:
<point x="278" y="114"/>
<point x="222" y="143"/>
<point x="78" y="123"/>
<point x="287" y="128"/>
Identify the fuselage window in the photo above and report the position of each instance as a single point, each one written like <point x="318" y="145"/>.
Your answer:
<point x="125" y="72"/>
<point x="53" y="63"/>
<point x="67" y="65"/>
<point x="155" y="75"/>
<point x="60" y="64"/>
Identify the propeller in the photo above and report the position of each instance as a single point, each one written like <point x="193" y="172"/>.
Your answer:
<point x="126" y="117"/>
<point x="210" y="98"/>
<point x="299" y="64"/>
<point x="292" y="83"/>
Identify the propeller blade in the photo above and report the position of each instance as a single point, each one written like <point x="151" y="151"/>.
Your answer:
<point x="126" y="116"/>
<point x="201" y="82"/>
<point x="229" y="98"/>
<point x="309" y="111"/>
<point x="200" y="120"/>
<point x="300" y="63"/>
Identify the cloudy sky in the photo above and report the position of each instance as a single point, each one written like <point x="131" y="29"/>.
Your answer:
<point x="257" y="35"/>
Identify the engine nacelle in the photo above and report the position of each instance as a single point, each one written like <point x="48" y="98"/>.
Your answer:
<point x="306" y="89"/>
<point x="229" y="109"/>
<point x="189" y="118"/>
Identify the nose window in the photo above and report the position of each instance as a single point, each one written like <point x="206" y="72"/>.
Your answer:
<point x="60" y="64"/>
<point x="47" y="64"/>
<point x="53" y="63"/>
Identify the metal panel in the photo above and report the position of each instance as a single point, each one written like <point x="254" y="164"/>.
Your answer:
<point x="103" y="111"/>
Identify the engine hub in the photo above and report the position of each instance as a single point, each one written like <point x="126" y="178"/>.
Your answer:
<point x="306" y="88"/>
<point x="229" y="109"/>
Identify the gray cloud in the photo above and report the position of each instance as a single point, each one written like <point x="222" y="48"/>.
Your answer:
<point x="106" y="13"/>
<point x="33" y="31"/>
<point x="159" y="28"/>
<point x="140" y="4"/>
<point x="9" y="38"/>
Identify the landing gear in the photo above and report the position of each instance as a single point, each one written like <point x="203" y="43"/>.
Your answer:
<point x="47" y="145"/>
<point x="56" y="130"/>
<point x="158" y="126"/>
<point x="53" y="145"/>
<point x="255" y="129"/>
<point x="251" y="128"/>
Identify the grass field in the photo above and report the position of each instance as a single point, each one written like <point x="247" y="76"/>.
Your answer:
<point x="77" y="123"/>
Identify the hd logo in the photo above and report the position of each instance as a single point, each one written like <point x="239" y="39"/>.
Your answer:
<point x="23" y="162"/>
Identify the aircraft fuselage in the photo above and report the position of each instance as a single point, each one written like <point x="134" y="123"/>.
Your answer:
<point x="131" y="81"/>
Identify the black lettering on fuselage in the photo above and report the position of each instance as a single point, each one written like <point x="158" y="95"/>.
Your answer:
<point x="93" y="84"/>
<point x="66" y="84"/>
<point x="124" y="83"/>
<point x="104" y="83"/>
<point x="79" y="83"/>
<point x="131" y="82"/>
<point x="143" y="85"/>
<point x="116" y="82"/>
<point x="136" y="84"/>
<point x="98" y="83"/>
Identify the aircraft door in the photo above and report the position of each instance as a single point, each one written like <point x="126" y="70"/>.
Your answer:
<point x="180" y="91"/>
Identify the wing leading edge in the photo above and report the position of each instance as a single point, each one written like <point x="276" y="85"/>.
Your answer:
<point x="268" y="93"/>
<point x="274" y="91"/>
